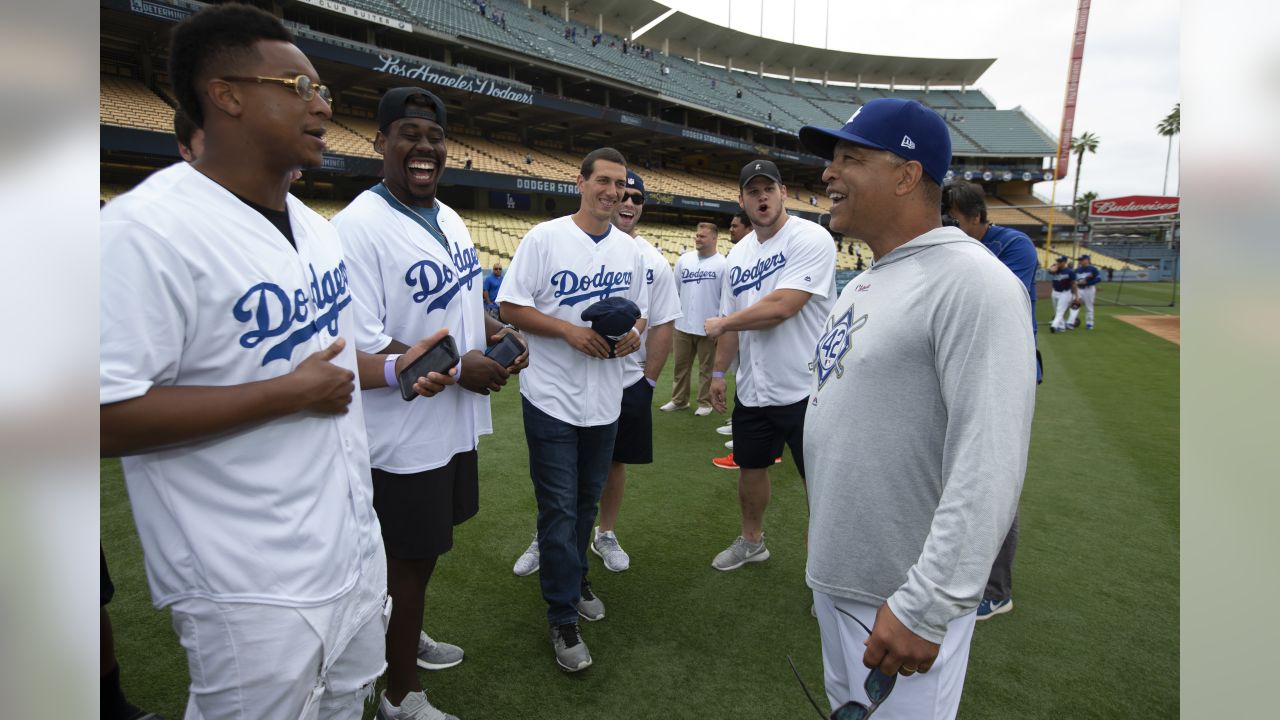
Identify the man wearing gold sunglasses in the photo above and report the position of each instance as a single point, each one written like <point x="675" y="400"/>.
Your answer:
<point x="227" y="382"/>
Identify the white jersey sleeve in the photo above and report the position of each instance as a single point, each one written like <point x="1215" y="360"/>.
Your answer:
<point x="812" y="264"/>
<point x="370" y="303"/>
<point x="146" y="307"/>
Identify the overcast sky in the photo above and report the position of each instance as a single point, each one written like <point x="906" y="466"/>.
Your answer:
<point x="1128" y="83"/>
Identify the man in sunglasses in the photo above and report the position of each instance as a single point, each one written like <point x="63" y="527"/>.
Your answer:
<point x="640" y="372"/>
<point x="919" y="419"/>
<point x="227" y="379"/>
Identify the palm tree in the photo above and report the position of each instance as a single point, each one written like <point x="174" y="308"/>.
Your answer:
<point x="1171" y="125"/>
<point x="1081" y="144"/>
<point x="1088" y="142"/>
<point x="1082" y="204"/>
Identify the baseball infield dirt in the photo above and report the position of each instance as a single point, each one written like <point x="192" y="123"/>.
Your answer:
<point x="1168" y="327"/>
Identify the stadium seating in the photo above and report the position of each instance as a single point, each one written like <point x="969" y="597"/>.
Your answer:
<point x="126" y="102"/>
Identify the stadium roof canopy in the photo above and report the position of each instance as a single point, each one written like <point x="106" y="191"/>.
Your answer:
<point x="692" y="37"/>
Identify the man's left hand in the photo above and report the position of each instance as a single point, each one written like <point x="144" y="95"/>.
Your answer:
<point x="714" y="326"/>
<point x="893" y="648"/>
<point x="628" y="344"/>
<point x="480" y="374"/>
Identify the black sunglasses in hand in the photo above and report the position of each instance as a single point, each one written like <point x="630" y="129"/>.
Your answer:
<point x="878" y="686"/>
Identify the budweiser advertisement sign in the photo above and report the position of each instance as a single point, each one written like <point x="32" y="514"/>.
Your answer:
<point x="1133" y="206"/>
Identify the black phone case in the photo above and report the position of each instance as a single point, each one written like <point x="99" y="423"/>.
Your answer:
<point x="438" y="358"/>
<point x="505" y="351"/>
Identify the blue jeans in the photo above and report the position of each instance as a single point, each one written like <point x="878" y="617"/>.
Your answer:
<point x="569" y="466"/>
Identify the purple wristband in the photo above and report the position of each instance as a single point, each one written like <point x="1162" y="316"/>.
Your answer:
<point x="389" y="370"/>
<point x="717" y="374"/>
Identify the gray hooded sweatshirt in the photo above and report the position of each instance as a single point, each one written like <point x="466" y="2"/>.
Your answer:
<point x="915" y="439"/>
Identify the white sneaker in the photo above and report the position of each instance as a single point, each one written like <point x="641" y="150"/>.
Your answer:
<point x="530" y="560"/>
<point x="725" y="429"/>
<point x="414" y="706"/>
<point x="729" y="444"/>
<point x="702" y="411"/>
<point x="671" y="407"/>
<point x="605" y="544"/>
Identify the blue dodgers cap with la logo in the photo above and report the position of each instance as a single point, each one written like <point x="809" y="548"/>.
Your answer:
<point x="905" y="128"/>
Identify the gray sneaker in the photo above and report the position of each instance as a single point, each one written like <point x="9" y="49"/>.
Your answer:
<point x="530" y="560"/>
<point x="590" y="606"/>
<point x="740" y="553"/>
<point x="606" y="546"/>
<point x="571" y="649"/>
<point x="414" y="706"/>
<point x="434" y="655"/>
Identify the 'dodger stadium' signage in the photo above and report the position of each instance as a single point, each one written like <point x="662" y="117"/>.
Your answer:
<point x="1134" y="206"/>
<point x="490" y="87"/>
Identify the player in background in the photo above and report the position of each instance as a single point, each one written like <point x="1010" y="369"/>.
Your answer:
<point x="1065" y="292"/>
<point x="190" y="138"/>
<point x="1087" y="278"/>
<point x="699" y="276"/>
<point x="918" y="425"/>
<point x="490" y="288"/>
<point x="222" y="292"/>
<point x="780" y="285"/>
<point x="414" y="271"/>
<point x="641" y="370"/>
<point x="739" y="227"/>
<point x="965" y="203"/>
<point x="572" y="392"/>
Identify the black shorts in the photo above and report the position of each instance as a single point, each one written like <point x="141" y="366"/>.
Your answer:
<point x="760" y="432"/>
<point x="634" y="445"/>
<point x="107" y="588"/>
<point x="417" y="511"/>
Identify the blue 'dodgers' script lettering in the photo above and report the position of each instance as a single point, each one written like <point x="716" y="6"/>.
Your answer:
<point x="270" y="311"/>
<point x="743" y="279"/>
<point x="572" y="288"/>
<point x="441" y="281"/>
<point x="697" y="276"/>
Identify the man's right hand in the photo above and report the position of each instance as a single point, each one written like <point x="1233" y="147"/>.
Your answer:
<point x="586" y="341"/>
<point x="322" y="386"/>
<point x="717" y="394"/>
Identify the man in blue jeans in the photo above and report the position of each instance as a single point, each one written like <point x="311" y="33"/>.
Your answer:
<point x="572" y="391"/>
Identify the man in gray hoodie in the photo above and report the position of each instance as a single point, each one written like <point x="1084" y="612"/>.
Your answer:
<point x="918" y="422"/>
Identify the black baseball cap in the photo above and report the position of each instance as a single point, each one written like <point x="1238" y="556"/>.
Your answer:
<point x="395" y="105"/>
<point x="759" y="167"/>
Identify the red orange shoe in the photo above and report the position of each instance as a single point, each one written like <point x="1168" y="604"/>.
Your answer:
<point x="725" y="462"/>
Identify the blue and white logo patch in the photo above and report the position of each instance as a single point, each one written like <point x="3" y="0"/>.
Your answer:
<point x="834" y="345"/>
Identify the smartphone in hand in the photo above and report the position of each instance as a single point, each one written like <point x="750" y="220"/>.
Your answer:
<point x="439" y="358"/>
<point x="505" y="351"/>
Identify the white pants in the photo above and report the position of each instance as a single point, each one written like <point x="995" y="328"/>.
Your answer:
<point x="266" y="661"/>
<point x="934" y="695"/>
<point x="1061" y="303"/>
<point x="1086" y="297"/>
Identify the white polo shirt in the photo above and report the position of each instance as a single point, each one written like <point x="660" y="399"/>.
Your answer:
<point x="698" y="281"/>
<point x="560" y="271"/>
<point x="407" y="286"/>
<point x="664" y="307"/>
<point x="200" y="289"/>
<point x="774" y="363"/>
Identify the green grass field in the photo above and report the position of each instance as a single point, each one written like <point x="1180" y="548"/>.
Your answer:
<point x="1094" y="632"/>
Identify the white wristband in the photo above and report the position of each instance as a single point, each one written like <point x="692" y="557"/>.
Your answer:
<point x="389" y="370"/>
